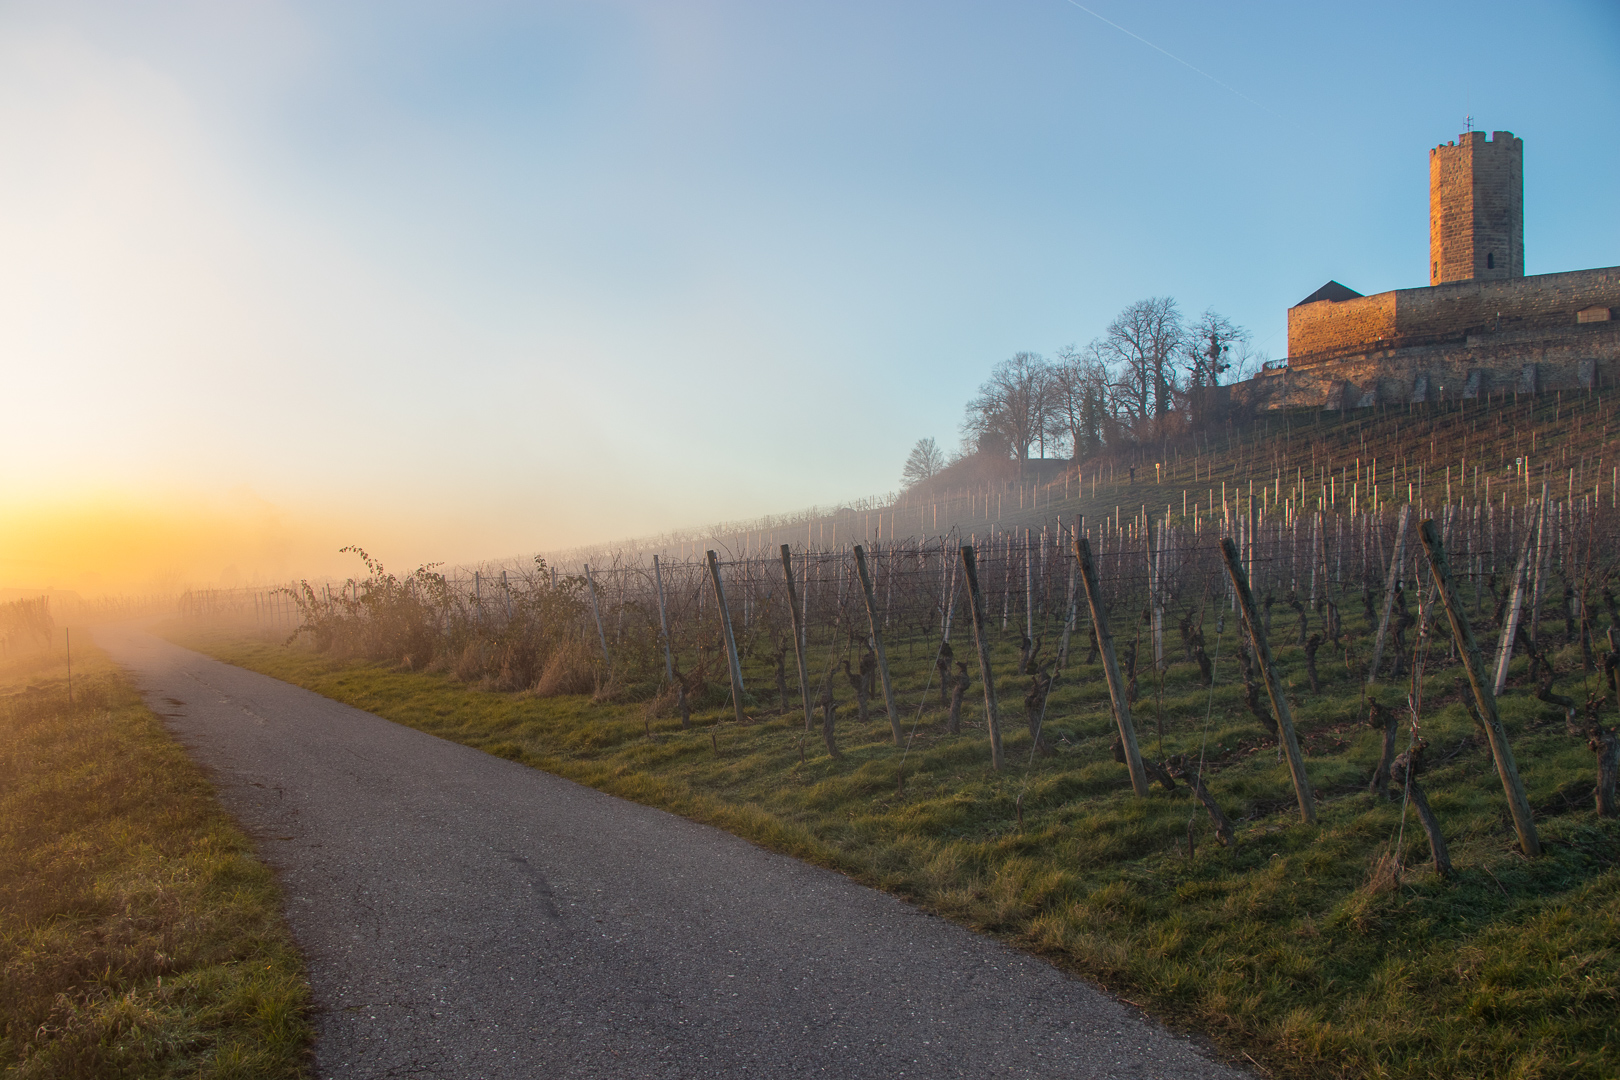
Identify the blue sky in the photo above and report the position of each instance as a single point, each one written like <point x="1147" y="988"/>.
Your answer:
<point x="470" y="280"/>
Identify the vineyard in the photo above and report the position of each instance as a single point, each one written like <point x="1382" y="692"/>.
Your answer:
<point x="1327" y="542"/>
<point x="1089" y="724"/>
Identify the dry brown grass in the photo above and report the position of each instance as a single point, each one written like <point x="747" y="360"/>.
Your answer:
<point x="139" y="936"/>
<point x="1385" y="874"/>
<point x="469" y="666"/>
<point x="569" y="669"/>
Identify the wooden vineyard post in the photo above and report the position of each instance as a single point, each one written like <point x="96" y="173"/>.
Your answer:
<point x="1510" y="624"/>
<point x="1155" y="544"/>
<point x="663" y="623"/>
<point x="875" y="620"/>
<point x="1068" y="622"/>
<point x="596" y="612"/>
<point x="1116" y="685"/>
<point x="1007" y="559"/>
<point x="1252" y="539"/>
<point x="1274" y="687"/>
<point x="1029" y="588"/>
<point x="731" y="640"/>
<point x="970" y="570"/>
<point x="1540" y="567"/>
<point x="1316" y="544"/>
<point x="1484" y="697"/>
<point x="1389" y="595"/>
<point x="798" y="632"/>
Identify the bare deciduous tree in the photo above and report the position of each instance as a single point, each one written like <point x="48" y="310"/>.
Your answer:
<point x="1081" y="399"/>
<point x="1245" y="360"/>
<point x="1142" y="345"/>
<point x="1208" y="346"/>
<point x="1014" y="407"/>
<point x="925" y="460"/>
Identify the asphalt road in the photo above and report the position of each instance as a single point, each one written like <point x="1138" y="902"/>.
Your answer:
<point x="465" y="916"/>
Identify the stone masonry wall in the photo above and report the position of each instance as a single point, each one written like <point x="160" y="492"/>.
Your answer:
<point x="1476" y="208"/>
<point x="1451" y="213"/>
<point x="1545" y="300"/>
<point x="1585" y="357"/>
<point x="1328" y="331"/>
<point x="1330" y="327"/>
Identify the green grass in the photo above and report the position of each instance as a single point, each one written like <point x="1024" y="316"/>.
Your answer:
<point x="139" y="936"/>
<point x="1278" y="948"/>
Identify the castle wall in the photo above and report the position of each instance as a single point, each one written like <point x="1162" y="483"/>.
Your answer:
<point x="1579" y="356"/>
<point x="1328" y="331"/>
<point x="1545" y="300"/>
<point x="1330" y="327"/>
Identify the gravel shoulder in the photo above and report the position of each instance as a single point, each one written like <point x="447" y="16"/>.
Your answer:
<point x="466" y="916"/>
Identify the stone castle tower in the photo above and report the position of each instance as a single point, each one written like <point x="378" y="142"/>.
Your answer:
<point x="1476" y="208"/>
<point x="1479" y="329"/>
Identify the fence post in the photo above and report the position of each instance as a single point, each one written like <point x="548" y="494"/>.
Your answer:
<point x="1389" y="595"/>
<point x="596" y="613"/>
<point x="731" y="640"/>
<point x="874" y="619"/>
<point x="1512" y="786"/>
<point x="1116" y="685"/>
<point x="798" y="632"/>
<point x="663" y="623"/>
<point x="1274" y="687"/>
<point x="970" y="570"/>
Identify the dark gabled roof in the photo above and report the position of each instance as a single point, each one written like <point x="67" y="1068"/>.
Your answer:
<point x="1331" y="291"/>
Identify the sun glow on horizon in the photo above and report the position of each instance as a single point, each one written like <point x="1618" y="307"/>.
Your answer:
<point x="113" y="544"/>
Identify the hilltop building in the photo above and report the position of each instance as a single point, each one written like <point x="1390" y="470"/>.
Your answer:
<point x="1479" y="327"/>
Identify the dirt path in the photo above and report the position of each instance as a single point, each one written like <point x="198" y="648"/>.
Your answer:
<point x="465" y="916"/>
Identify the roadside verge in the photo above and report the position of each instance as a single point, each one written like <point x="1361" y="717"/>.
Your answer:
<point x="139" y="934"/>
